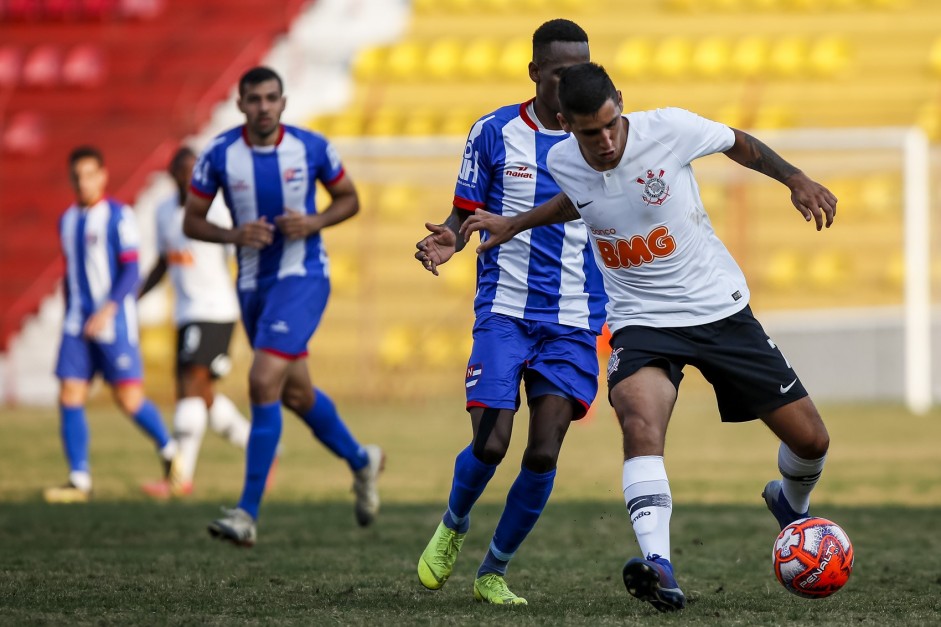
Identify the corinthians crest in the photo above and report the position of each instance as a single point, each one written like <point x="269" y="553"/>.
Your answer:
<point x="656" y="190"/>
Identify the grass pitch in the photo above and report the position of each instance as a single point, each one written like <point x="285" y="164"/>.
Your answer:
<point x="124" y="560"/>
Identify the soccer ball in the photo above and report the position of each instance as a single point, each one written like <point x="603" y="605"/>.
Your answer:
<point x="812" y="557"/>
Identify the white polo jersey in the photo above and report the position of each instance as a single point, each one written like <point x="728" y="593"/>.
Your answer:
<point x="199" y="271"/>
<point x="660" y="259"/>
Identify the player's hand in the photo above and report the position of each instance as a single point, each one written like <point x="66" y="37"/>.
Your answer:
<point x="100" y="320"/>
<point x="295" y="225"/>
<point x="813" y="200"/>
<point x="500" y="229"/>
<point x="257" y="234"/>
<point x="436" y="248"/>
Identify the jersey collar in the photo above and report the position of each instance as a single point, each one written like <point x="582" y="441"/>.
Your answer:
<point x="248" y="142"/>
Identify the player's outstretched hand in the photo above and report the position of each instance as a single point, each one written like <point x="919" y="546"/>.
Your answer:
<point x="257" y="234"/>
<point x="813" y="200"/>
<point x="500" y="229"/>
<point x="436" y="248"/>
<point x="296" y="225"/>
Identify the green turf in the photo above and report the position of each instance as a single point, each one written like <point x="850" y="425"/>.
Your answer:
<point x="120" y="563"/>
<point x="123" y="560"/>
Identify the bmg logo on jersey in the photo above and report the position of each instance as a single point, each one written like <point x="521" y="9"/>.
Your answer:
<point x="638" y="250"/>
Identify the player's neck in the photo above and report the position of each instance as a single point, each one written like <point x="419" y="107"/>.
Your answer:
<point x="546" y="116"/>
<point x="263" y="141"/>
<point x="86" y="206"/>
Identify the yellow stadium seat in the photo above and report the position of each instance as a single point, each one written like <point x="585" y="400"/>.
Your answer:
<point x="928" y="118"/>
<point x="726" y="6"/>
<point x="395" y="201"/>
<point x="397" y="346"/>
<point x="765" y="5"/>
<point x="368" y="63"/>
<point x="384" y="122"/>
<point x="682" y="6"/>
<point x="934" y="56"/>
<point x="420" y="122"/>
<point x="404" y="60"/>
<point x="829" y="56"/>
<point x="442" y="59"/>
<point x="774" y="116"/>
<point x="345" y="276"/>
<point x="789" y="57"/>
<point x="422" y="7"/>
<point x="460" y="275"/>
<point x="458" y="121"/>
<point x="439" y="348"/>
<point x="515" y="57"/>
<point x="895" y="270"/>
<point x="881" y="195"/>
<point x="750" y="56"/>
<point x="734" y="115"/>
<point x="711" y="57"/>
<point x="632" y="58"/>
<point x="783" y="270"/>
<point x="827" y="269"/>
<point x="479" y="58"/>
<point x="347" y="124"/>
<point x="672" y="58"/>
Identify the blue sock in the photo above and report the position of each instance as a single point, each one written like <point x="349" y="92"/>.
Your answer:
<point x="328" y="427"/>
<point x="74" y="430"/>
<point x="149" y="420"/>
<point x="524" y="503"/>
<point x="262" y="445"/>
<point x="470" y="478"/>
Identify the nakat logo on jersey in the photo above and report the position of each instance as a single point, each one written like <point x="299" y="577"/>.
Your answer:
<point x="638" y="250"/>
<point x="656" y="190"/>
<point x="519" y="172"/>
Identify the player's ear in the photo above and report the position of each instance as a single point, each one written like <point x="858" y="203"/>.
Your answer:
<point x="565" y="125"/>
<point x="533" y="72"/>
<point x="620" y="101"/>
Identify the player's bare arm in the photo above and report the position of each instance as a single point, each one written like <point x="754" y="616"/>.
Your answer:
<point x="155" y="276"/>
<point x="443" y="241"/>
<point x="296" y="224"/>
<point x="813" y="200"/>
<point x="555" y="210"/>
<point x="257" y="234"/>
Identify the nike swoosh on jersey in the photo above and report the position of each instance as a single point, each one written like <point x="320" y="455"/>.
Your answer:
<point x="583" y="204"/>
<point x="785" y="390"/>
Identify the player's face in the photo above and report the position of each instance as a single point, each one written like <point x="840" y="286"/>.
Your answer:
<point x="184" y="172"/>
<point x="547" y="70"/>
<point x="89" y="179"/>
<point x="262" y="104"/>
<point x="601" y="136"/>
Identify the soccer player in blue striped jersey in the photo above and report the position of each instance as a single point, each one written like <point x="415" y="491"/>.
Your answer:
<point x="539" y="307"/>
<point x="99" y="241"/>
<point x="267" y="172"/>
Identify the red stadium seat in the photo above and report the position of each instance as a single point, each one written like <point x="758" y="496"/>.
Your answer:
<point x="23" y="10"/>
<point x="11" y="66"/>
<point x="97" y="9"/>
<point x="25" y="134"/>
<point x="60" y="9"/>
<point x="141" y="9"/>
<point x="84" y="66"/>
<point x="43" y="66"/>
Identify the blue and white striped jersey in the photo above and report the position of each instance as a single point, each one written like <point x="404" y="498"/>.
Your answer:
<point x="96" y="242"/>
<point x="266" y="181"/>
<point x="547" y="273"/>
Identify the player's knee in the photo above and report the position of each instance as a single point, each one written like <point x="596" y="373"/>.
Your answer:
<point x="813" y="446"/>
<point x="263" y="388"/>
<point x="540" y="460"/>
<point x="299" y="400"/>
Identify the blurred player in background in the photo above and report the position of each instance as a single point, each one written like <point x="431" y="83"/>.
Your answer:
<point x="267" y="172"/>
<point x="99" y="335"/>
<point x="539" y="308"/>
<point x="676" y="297"/>
<point x="205" y="313"/>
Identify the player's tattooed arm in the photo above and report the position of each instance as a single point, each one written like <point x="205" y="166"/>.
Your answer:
<point x="501" y="229"/>
<point x="813" y="200"/>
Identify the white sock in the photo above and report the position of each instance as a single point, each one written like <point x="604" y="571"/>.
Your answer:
<point x="800" y="476"/>
<point x="649" y="503"/>
<point x="169" y="450"/>
<point x="189" y="425"/>
<point x="81" y="479"/>
<point x="226" y="420"/>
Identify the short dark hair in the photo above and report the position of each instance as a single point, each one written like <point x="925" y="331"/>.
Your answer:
<point x="85" y="152"/>
<point x="182" y="153"/>
<point x="556" y="30"/>
<point x="258" y="75"/>
<point x="584" y="88"/>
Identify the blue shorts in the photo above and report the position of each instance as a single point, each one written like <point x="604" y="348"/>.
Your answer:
<point x="81" y="358"/>
<point x="549" y="358"/>
<point x="281" y="317"/>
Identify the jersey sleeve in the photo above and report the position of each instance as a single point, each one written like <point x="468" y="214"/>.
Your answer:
<point x="330" y="168"/>
<point x="473" y="180"/>
<point x="128" y="236"/>
<point x="693" y="136"/>
<point x="207" y="173"/>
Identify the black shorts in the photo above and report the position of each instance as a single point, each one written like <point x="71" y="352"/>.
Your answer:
<point x="204" y="344"/>
<point x="750" y="375"/>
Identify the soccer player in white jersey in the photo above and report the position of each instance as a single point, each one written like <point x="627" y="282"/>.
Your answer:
<point x="205" y="311"/>
<point x="539" y="308"/>
<point x="99" y="335"/>
<point x="676" y="297"/>
<point x="267" y="172"/>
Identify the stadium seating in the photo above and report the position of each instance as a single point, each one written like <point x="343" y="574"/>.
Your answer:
<point x="131" y="76"/>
